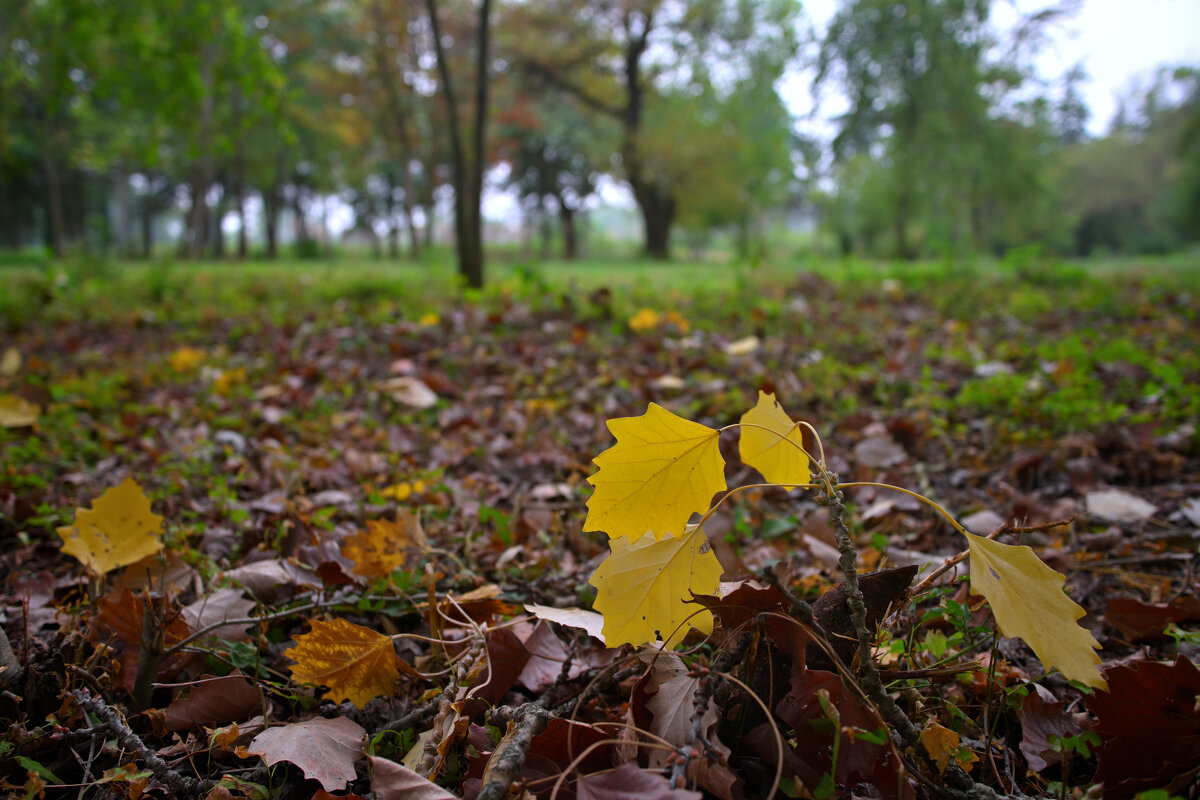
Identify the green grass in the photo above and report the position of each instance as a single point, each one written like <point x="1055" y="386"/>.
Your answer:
<point x="45" y="292"/>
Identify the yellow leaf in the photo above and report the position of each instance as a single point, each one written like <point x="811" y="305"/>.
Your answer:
<point x="186" y="358"/>
<point x="429" y="319"/>
<point x="17" y="412"/>
<point x="940" y="743"/>
<point x="1027" y="599"/>
<point x="644" y="320"/>
<point x="356" y="663"/>
<point x="119" y="529"/>
<point x="397" y="491"/>
<point x="774" y="452"/>
<point x="644" y="588"/>
<point x="383" y="547"/>
<point x="662" y="469"/>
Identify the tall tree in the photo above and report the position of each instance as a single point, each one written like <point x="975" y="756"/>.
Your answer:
<point x="623" y="58"/>
<point x="468" y="164"/>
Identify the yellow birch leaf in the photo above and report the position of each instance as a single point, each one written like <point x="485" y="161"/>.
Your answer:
<point x="356" y="663"/>
<point x="119" y="529"/>
<point x="383" y="547"/>
<point x="1028" y="602"/>
<point x="662" y="469"/>
<point x="774" y="452"/>
<point x="644" y="588"/>
<point x="17" y="412"/>
<point x="940" y="742"/>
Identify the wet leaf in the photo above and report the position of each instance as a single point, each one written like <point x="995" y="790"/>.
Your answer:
<point x="1028" y="601"/>
<point x="644" y="588"/>
<point x="325" y="749"/>
<point x="356" y="663"/>
<point x="119" y="529"/>
<point x="777" y="452"/>
<point x="662" y="470"/>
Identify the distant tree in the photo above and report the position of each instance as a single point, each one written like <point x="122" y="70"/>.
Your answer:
<point x="467" y="157"/>
<point x="621" y="59"/>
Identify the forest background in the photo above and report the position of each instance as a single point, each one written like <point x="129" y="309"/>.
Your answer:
<point x="224" y="128"/>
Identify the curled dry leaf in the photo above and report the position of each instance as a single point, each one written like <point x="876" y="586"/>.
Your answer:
<point x="325" y="749"/>
<point x="581" y="618"/>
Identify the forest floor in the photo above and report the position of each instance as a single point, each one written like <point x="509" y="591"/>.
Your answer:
<point x="408" y="464"/>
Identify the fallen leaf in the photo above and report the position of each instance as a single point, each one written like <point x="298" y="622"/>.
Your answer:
<point x="644" y="588"/>
<point x="186" y="358"/>
<point x="1119" y="506"/>
<point x="213" y="702"/>
<point x="1139" y="621"/>
<point x="547" y="654"/>
<point x="410" y="391"/>
<point x="645" y="319"/>
<point x="581" y="618"/>
<point x="325" y="749"/>
<point x="10" y="363"/>
<point x="743" y="347"/>
<point x="777" y="452"/>
<point x="940" y="743"/>
<point x="879" y="452"/>
<point x="628" y="782"/>
<point x="120" y="619"/>
<point x="356" y="663"/>
<point x="119" y="529"/>
<point x="1042" y="717"/>
<point x="223" y="604"/>
<point x="662" y="469"/>
<point x="384" y="547"/>
<point x="1149" y="724"/>
<point x="392" y="781"/>
<point x="1028" y="602"/>
<point x="17" y="412"/>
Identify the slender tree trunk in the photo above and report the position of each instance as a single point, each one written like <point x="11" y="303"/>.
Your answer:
<point x="468" y="173"/>
<point x="239" y="179"/>
<point x="147" y="227"/>
<point x="271" y="219"/>
<point x="566" y="215"/>
<point x="55" y="234"/>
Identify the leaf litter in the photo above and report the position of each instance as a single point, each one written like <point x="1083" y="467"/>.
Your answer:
<point x="357" y="563"/>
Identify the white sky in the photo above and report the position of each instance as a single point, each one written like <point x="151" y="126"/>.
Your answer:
<point x="1116" y="41"/>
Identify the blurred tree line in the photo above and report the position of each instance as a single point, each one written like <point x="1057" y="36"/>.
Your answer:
<point x="114" y="114"/>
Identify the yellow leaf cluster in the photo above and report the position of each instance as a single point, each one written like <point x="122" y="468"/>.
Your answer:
<point x="356" y="663"/>
<point x="118" y="530"/>
<point x="645" y="319"/>
<point x="1028" y="602"/>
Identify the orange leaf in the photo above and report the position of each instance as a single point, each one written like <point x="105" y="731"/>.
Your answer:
<point x="356" y="663"/>
<point x="384" y="546"/>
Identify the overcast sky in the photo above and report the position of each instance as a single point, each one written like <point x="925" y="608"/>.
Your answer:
<point x="1116" y="41"/>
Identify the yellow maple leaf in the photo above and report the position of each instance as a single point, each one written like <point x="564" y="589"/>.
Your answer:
<point x="774" y="452"/>
<point x="118" y="530"/>
<point x="384" y="546"/>
<point x="1028" y="602"/>
<point x="17" y="412"/>
<point x="662" y="469"/>
<point x="356" y="663"/>
<point x="644" y="588"/>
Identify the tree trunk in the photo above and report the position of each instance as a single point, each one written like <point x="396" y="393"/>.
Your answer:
<point x="271" y="219"/>
<point x="566" y="216"/>
<point x="54" y="196"/>
<point x="658" y="214"/>
<point x="468" y="175"/>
